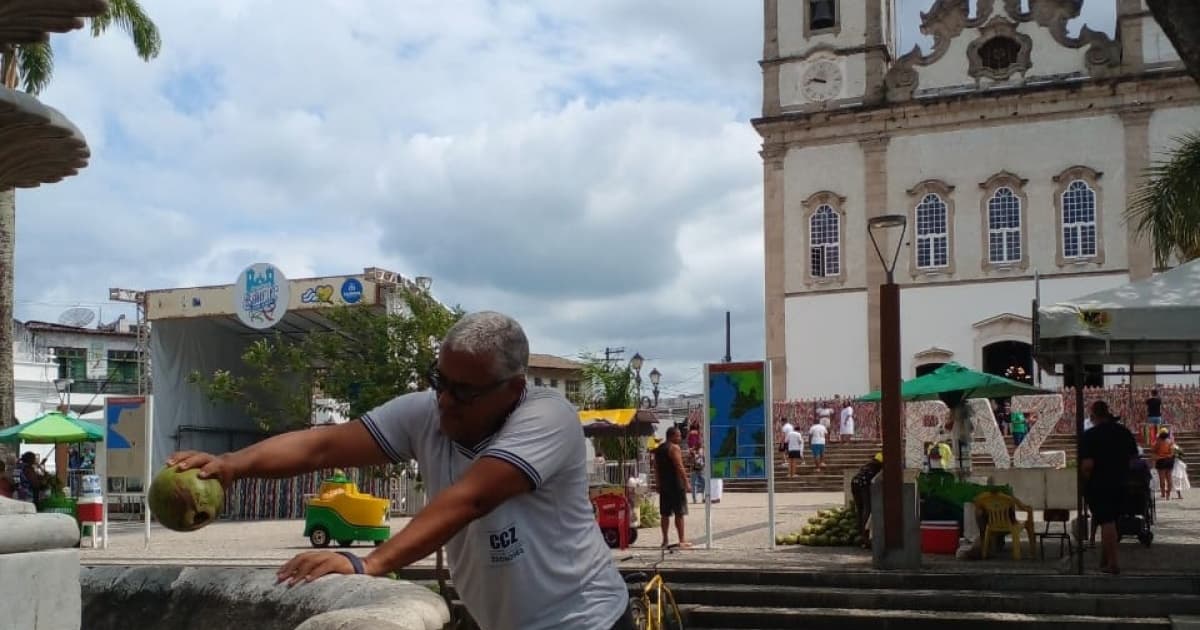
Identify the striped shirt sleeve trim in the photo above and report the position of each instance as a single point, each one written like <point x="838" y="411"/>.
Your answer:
<point x="515" y="460"/>
<point x="377" y="434"/>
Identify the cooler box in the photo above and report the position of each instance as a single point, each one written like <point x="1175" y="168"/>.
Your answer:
<point x="90" y="509"/>
<point x="939" y="537"/>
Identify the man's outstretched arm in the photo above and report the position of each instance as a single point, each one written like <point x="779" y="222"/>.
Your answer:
<point x="289" y="454"/>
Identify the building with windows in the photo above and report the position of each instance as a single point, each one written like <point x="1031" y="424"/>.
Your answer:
<point x="565" y="375"/>
<point x="1011" y="144"/>
<point x="89" y="364"/>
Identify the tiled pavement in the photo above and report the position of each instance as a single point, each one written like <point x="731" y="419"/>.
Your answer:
<point x="739" y="540"/>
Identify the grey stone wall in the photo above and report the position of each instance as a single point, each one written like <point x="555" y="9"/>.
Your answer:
<point x="39" y="568"/>
<point x="204" y="598"/>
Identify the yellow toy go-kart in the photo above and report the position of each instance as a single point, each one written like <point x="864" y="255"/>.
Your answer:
<point x="340" y="512"/>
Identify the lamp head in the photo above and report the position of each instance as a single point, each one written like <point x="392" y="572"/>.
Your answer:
<point x="887" y="221"/>
<point x="636" y="362"/>
<point x="655" y="375"/>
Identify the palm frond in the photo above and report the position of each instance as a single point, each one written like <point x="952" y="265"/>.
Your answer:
<point x="611" y="385"/>
<point x="131" y="18"/>
<point x="35" y="66"/>
<point x="1166" y="208"/>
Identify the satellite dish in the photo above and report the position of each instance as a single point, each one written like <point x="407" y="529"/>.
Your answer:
<point x="77" y="317"/>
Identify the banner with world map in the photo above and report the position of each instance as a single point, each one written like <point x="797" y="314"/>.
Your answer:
<point x="737" y="419"/>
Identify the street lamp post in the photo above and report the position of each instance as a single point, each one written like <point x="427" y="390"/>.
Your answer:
<point x="636" y="365"/>
<point x="63" y="385"/>
<point x="655" y="377"/>
<point x="892" y="407"/>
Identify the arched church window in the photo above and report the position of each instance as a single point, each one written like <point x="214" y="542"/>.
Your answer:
<point x="933" y="233"/>
<point x="1004" y="226"/>
<point x="824" y="216"/>
<point x="1079" y="220"/>
<point x="824" y="238"/>
<point x="1079" y="215"/>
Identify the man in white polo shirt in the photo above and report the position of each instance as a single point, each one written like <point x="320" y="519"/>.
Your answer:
<point x="505" y="469"/>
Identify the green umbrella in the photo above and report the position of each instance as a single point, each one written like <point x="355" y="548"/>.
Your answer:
<point x="53" y="428"/>
<point x="953" y="383"/>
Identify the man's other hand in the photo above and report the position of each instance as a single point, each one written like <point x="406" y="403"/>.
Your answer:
<point x="311" y="565"/>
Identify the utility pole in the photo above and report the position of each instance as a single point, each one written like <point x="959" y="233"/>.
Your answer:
<point x="613" y="354"/>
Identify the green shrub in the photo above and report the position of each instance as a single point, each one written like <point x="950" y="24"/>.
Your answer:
<point x="648" y="513"/>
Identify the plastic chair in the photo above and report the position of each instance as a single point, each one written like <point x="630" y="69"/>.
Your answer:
<point x="1061" y="517"/>
<point x="1001" y="510"/>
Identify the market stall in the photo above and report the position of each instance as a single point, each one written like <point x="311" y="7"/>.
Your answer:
<point x="58" y="428"/>
<point x="1153" y="322"/>
<point x="616" y="495"/>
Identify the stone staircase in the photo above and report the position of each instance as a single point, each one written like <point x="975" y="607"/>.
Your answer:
<point x="886" y="601"/>
<point x="713" y="597"/>
<point x="841" y="457"/>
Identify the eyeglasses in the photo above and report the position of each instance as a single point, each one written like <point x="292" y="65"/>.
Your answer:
<point x="462" y="393"/>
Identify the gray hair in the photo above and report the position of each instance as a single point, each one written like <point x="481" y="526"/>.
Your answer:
<point x="488" y="333"/>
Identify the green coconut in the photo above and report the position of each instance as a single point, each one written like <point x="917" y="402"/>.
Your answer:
<point x="184" y="502"/>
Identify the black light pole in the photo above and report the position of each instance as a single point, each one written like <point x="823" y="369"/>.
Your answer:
<point x="892" y="407"/>
<point x="636" y="365"/>
<point x="655" y="377"/>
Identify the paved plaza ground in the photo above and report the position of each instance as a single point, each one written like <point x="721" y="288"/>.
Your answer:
<point x="739" y="540"/>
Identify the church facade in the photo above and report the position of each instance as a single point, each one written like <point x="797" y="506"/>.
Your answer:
<point x="1011" y="146"/>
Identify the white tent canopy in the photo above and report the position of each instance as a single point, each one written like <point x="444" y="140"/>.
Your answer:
<point x="1155" y="321"/>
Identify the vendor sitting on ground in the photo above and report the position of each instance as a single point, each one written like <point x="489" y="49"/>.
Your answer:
<point x="860" y="489"/>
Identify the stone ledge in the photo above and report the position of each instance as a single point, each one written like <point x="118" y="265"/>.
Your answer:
<point x="38" y="145"/>
<point x="188" y="598"/>
<point x="31" y="21"/>
<point x="41" y="589"/>
<point x="36" y="532"/>
<point x="13" y="506"/>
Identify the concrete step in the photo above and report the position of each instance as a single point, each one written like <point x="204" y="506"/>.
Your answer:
<point x="953" y="600"/>
<point x="697" y="616"/>
<point x="1084" y="585"/>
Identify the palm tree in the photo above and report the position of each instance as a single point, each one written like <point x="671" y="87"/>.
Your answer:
<point x="29" y="67"/>
<point x="609" y="385"/>
<point x="1166" y="208"/>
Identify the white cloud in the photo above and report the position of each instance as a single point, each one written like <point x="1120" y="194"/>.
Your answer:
<point x="586" y="166"/>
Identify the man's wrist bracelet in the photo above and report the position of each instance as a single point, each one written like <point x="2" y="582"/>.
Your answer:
<point x="355" y="561"/>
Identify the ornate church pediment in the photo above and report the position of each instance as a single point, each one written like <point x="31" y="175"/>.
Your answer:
<point x="998" y="49"/>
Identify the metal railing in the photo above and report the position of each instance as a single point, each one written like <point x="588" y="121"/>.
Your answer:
<point x="615" y="473"/>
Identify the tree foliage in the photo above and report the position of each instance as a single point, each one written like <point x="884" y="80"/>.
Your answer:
<point x="31" y="66"/>
<point x="609" y="385"/>
<point x="1166" y="208"/>
<point x="368" y="358"/>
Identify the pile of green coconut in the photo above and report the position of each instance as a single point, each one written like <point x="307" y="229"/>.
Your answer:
<point x="829" y="528"/>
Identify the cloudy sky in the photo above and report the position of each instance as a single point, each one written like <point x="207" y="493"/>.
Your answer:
<point x="586" y="166"/>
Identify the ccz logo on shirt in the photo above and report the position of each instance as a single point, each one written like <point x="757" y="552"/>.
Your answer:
<point x="505" y="545"/>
